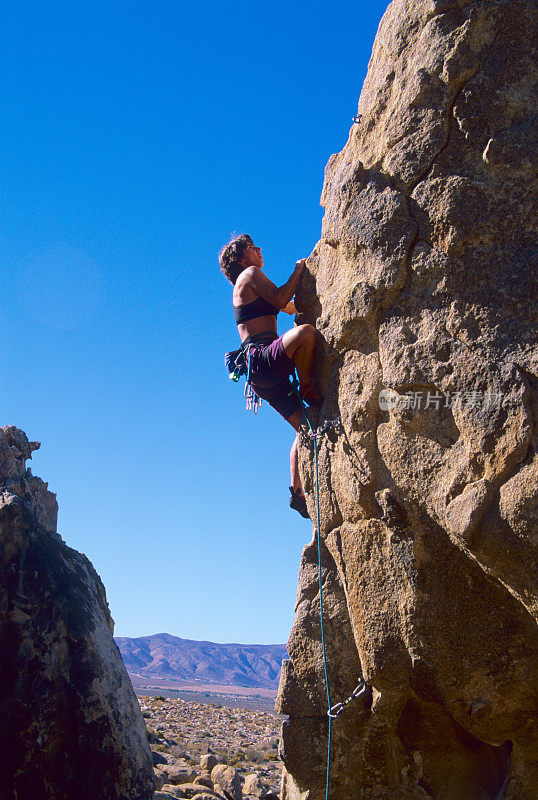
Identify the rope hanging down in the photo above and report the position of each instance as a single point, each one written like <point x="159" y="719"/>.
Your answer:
<point x="238" y="363"/>
<point x="333" y="710"/>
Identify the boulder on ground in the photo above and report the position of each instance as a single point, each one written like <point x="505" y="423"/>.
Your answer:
<point x="160" y="778"/>
<point x="207" y="762"/>
<point x="189" y="790"/>
<point x="227" y="779"/>
<point x="161" y="758"/>
<point x="178" y="773"/>
<point x="253" y="787"/>
<point x="204" y="796"/>
<point x="178" y="753"/>
<point x="207" y="782"/>
<point x="172" y="790"/>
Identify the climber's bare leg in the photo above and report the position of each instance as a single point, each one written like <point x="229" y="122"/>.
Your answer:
<point x="295" y="422"/>
<point x="300" y="345"/>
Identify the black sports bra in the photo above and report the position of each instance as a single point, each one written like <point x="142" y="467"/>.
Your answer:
<point x="258" y="308"/>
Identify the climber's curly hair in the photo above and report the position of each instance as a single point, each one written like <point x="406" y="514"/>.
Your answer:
<point x="231" y="256"/>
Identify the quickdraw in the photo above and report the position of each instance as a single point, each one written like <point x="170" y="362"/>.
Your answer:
<point x="339" y="708"/>
<point x="254" y="402"/>
<point x="329" y="425"/>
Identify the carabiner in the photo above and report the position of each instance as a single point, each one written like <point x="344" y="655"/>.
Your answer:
<point x="335" y="710"/>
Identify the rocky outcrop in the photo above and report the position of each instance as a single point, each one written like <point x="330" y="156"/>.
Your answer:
<point x="70" y="724"/>
<point x="422" y="291"/>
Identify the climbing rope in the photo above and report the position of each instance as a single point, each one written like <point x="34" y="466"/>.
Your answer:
<point x="315" y="436"/>
<point x="320" y="582"/>
<point x="333" y="711"/>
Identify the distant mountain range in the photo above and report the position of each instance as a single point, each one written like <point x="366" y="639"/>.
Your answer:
<point x="167" y="656"/>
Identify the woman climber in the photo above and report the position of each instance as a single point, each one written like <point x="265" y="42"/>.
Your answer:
<point x="273" y="358"/>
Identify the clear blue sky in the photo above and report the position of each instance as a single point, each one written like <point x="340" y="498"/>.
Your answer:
<point x="136" y="137"/>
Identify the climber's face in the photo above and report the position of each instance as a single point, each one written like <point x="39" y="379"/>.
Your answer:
<point x="252" y="256"/>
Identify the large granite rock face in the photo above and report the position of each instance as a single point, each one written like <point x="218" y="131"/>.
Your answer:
<point x="423" y="285"/>
<point x="70" y="724"/>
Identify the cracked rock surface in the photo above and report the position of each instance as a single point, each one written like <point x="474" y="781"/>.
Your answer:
<point x="423" y="285"/>
<point x="70" y="724"/>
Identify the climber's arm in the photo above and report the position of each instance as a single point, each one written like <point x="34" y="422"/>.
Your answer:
<point x="279" y="296"/>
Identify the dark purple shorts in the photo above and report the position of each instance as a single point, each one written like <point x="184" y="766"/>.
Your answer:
<point x="270" y="370"/>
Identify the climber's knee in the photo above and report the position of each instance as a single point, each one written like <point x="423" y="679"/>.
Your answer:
<point x="308" y="333"/>
<point x="297" y="337"/>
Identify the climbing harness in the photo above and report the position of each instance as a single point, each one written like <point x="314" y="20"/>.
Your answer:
<point x="335" y="710"/>
<point x="238" y="363"/>
<point x="235" y="364"/>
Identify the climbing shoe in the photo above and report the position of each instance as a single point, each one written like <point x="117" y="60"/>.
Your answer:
<point x="298" y="502"/>
<point x="310" y="394"/>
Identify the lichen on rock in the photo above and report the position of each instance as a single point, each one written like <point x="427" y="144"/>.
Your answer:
<point x="422" y="287"/>
<point x="70" y="723"/>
